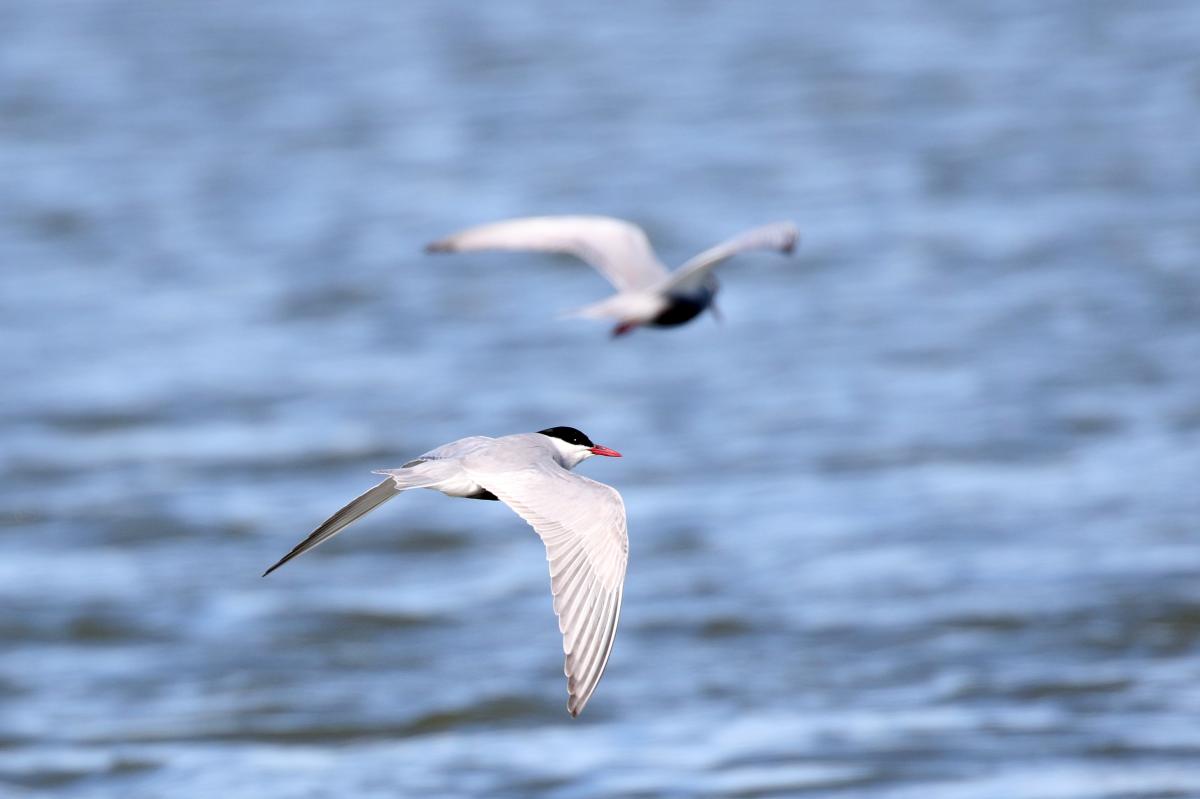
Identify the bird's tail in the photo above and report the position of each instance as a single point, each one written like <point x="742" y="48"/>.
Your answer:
<point x="637" y="307"/>
<point x="596" y="310"/>
<point x="355" y="510"/>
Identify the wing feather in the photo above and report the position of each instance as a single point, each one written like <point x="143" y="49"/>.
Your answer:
<point x="582" y="524"/>
<point x="778" y="236"/>
<point x="357" y="508"/>
<point x="619" y="250"/>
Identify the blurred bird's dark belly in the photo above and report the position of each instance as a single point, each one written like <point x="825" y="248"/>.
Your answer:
<point x="681" y="309"/>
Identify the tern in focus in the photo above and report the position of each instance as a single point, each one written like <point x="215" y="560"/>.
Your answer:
<point x="581" y="522"/>
<point x="647" y="293"/>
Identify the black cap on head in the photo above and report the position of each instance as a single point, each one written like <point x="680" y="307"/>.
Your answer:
<point x="569" y="435"/>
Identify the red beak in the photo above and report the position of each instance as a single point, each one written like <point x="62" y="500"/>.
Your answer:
<point x="599" y="450"/>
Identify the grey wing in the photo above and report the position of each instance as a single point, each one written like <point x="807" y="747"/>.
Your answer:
<point x="455" y="449"/>
<point x="357" y="508"/>
<point x="582" y="524"/>
<point x="422" y="472"/>
<point x="778" y="236"/>
<point x="619" y="250"/>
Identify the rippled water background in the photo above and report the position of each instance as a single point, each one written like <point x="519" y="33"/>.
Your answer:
<point x="920" y="519"/>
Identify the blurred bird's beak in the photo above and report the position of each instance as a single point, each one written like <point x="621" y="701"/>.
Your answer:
<point x="599" y="450"/>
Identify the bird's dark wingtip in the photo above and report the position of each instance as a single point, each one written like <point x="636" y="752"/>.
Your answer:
<point x="439" y="246"/>
<point x="277" y="565"/>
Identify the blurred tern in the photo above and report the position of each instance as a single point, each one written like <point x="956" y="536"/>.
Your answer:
<point x="647" y="294"/>
<point x="581" y="522"/>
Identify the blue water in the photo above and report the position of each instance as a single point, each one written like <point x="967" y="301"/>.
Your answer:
<point x="919" y="519"/>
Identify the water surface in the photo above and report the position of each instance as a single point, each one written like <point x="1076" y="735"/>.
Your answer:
<point x="919" y="519"/>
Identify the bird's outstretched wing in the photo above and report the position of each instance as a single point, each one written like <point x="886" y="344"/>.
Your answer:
<point x="779" y="236"/>
<point x="357" y="508"/>
<point x="582" y="524"/>
<point x="619" y="250"/>
<point x="425" y="474"/>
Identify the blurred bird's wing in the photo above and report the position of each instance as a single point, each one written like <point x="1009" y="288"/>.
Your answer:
<point x="779" y="236"/>
<point x="582" y="524"/>
<point x="619" y="250"/>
